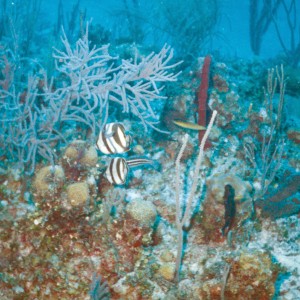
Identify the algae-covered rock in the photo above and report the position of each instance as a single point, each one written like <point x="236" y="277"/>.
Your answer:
<point x="167" y="271"/>
<point x="90" y="157"/>
<point x="220" y="214"/>
<point x="78" y="193"/>
<point x="79" y="152"/>
<point x="217" y="183"/>
<point x="252" y="276"/>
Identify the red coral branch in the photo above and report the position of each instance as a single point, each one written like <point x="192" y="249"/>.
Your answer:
<point x="202" y="98"/>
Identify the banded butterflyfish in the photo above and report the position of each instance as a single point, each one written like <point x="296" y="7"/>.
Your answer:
<point x="117" y="170"/>
<point x="113" y="139"/>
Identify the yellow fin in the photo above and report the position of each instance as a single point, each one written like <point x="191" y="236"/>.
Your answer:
<point x="189" y="125"/>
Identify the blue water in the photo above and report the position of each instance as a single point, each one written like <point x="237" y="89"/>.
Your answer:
<point x="233" y="24"/>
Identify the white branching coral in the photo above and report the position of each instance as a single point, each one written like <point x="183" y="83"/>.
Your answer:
<point x="96" y="80"/>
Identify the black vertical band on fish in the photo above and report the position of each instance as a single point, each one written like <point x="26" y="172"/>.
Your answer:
<point x="110" y="174"/>
<point x="113" y="139"/>
<point x="117" y="170"/>
<point x="119" y="135"/>
<point x="230" y="208"/>
<point x="105" y="142"/>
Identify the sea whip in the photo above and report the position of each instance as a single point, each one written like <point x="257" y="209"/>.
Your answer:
<point x="202" y="98"/>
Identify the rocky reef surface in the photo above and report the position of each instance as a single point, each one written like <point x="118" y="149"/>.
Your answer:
<point x="69" y="222"/>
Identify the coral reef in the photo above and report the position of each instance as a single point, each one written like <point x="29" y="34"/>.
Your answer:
<point x="70" y="234"/>
<point x="215" y="211"/>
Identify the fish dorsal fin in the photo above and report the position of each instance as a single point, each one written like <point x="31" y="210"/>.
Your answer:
<point x="139" y="161"/>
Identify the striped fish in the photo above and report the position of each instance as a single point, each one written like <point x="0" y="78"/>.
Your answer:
<point x="117" y="170"/>
<point x="112" y="139"/>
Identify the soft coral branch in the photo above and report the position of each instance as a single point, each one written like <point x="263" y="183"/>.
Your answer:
<point x="95" y="79"/>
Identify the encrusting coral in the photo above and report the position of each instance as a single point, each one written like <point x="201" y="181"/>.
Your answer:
<point x="80" y="153"/>
<point x="144" y="212"/>
<point x="78" y="193"/>
<point x="48" y="180"/>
